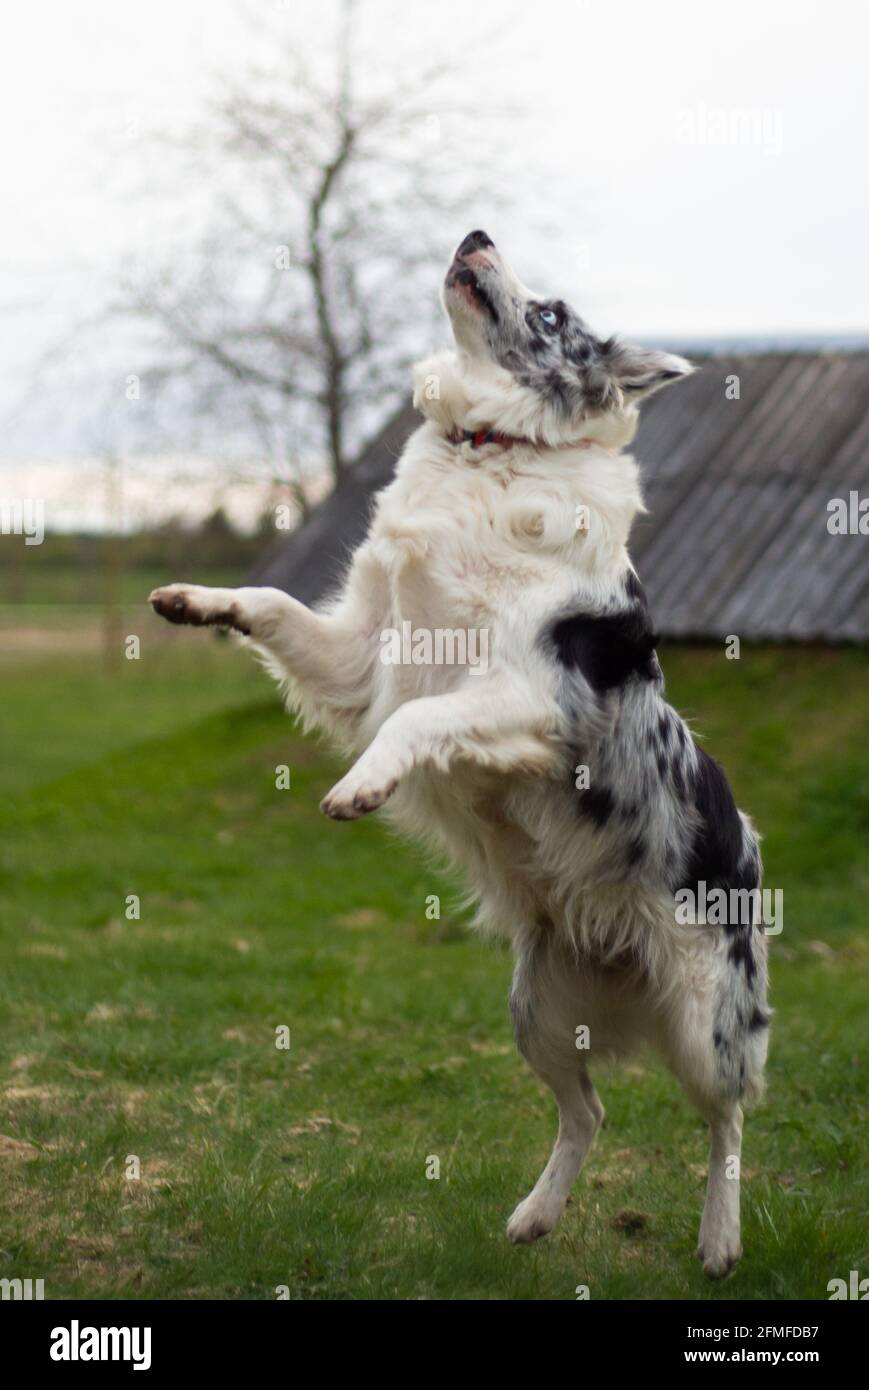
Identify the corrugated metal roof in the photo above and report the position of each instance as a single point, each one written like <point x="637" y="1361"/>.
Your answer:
<point x="736" y="538"/>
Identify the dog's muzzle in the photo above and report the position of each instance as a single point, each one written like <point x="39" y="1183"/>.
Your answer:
<point x="470" y="267"/>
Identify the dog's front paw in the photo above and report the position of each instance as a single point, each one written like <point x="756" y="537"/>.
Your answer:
<point x="197" y="607"/>
<point x="356" y="795"/>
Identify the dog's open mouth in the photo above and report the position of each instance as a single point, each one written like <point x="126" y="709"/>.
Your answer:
<point x="462" y="277"/>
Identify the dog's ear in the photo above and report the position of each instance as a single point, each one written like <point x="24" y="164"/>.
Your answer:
<point x="638" y="371"/>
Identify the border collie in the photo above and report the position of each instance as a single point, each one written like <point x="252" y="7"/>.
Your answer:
<point x="555" y="774"/>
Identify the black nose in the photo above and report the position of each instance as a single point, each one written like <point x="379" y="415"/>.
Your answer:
<point x="474" y="241"/>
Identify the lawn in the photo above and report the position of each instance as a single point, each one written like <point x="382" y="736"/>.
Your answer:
<point x="154" y="1038"/>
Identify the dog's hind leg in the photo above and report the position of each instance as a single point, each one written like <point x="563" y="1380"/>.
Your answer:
<point x="694" y="1053"/>
<point x="719" y="1247"/>
<point x="580" y="1115"/>
<point x="547" y="1041"/>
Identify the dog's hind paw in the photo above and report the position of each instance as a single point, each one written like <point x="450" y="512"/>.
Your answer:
<point x="533" y="1218"/>
<point x="718" y="1259"/>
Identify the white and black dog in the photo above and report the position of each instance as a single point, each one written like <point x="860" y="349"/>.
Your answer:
<point x="554" y="773"/>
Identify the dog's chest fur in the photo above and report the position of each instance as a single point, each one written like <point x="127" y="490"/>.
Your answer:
<point x="465" y="539"/>
<point x="505" y="541"/>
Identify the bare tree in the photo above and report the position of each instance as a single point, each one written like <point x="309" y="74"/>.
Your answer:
<point x="313" y="277"/>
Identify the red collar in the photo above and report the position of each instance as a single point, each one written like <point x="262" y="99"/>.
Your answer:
<point x="477" y="438"/>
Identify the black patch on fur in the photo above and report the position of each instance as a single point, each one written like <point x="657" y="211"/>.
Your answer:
<point x="662" y="765"/>
<point x="741" y="953"/>
<point x="556" y="390"/>
<point x="635" y="850"/>
<point x="597" y="803"/>
<point x="664" y="729"/>
<point x="759" y="1019"/>
<point x="716" y="856"/>
<point x="635" y="590"/>
<point x="607" y="650"/>
<point x="597" y="392"/>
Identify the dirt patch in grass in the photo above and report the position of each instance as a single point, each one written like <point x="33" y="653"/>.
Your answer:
<point x="18" y="1149"/>
<point x="316" y="1124"/>
<point x="361" y="918"/>
<point x="40" y="1095"/>
<point x="633" y="1223"/>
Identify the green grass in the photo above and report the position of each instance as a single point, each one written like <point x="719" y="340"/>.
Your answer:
<point x="61" y="713"/>
<point x="307" y="1168"/>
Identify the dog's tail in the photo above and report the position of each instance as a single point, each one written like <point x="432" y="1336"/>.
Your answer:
<point x="741" y="1016"/>
<point x="741" y="1031"/>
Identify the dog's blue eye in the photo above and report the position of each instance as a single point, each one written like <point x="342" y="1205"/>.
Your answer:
<point x="549" y="316"/>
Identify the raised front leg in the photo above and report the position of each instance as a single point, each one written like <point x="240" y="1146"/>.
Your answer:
<point x="329" y="653"/>
<point x="194" y="605"/>
<point x="490" y="722"/>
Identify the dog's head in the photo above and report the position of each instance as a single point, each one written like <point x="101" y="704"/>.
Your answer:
<point x="533" y="360"/>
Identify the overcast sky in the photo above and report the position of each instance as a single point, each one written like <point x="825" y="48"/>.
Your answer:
<point x="704" y="165"/>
